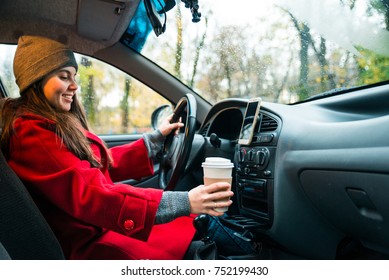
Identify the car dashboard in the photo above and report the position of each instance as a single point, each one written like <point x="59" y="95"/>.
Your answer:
<point x="313" y="183"/>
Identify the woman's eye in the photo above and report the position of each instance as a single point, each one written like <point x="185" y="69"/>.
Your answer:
<point x="64" y="78"/>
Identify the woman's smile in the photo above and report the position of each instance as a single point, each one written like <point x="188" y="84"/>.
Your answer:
<point x="60" y="88"/>
<point x="68" y="97"/>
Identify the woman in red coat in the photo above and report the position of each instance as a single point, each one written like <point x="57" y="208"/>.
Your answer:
<point x="70" y="173"/>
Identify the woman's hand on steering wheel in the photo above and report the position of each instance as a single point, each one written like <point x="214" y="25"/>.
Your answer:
<point x="167" y="127"/>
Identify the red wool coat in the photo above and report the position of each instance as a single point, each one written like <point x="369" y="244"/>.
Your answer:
<point x="92" y="217"/>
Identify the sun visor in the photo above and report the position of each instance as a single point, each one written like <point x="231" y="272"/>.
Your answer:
<point x="105" y="20"/>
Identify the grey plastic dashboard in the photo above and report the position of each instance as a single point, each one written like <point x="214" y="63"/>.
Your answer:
<point x="331" y="177"/>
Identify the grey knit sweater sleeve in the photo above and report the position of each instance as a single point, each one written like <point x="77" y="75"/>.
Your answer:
<point x="172" y="206"/>
<point x="153" y="142"/>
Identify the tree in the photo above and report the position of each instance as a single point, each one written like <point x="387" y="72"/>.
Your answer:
<point x="88" y="92"/>
<point x="124" y="105"/>
<point x="228" y="59"/>
<point x="199" y="47"/>
<point x="305" y="40"/>
<point x="382" y="6"/>
<point x="373" y="67"/>
<point x="179" y="43"/>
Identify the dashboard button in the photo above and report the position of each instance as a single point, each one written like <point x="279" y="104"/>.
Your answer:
<point x="266" y="138"/>
<point x="267" y="173"/>
<point x="251" y="155"/>
<point x="260" y="157"/>
<point x="242" y="154"/>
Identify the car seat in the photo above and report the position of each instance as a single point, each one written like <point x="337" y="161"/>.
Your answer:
<point x="24" y="233"/>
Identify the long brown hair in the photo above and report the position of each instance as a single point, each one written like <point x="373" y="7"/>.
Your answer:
<point x="67" y="124"/>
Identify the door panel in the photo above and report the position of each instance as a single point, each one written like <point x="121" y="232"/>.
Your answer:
<point x="121" y="139"/>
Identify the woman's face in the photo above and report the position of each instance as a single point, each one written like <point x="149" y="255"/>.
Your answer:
<point x="60" y="87"/>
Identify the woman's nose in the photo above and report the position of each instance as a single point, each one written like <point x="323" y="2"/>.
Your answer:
<point x="73" y="86"/>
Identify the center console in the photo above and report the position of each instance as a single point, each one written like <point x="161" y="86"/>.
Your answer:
<point x="255" y="168"/>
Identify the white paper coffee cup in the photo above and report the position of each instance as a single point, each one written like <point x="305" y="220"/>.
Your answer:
<point x="217" y="169"/>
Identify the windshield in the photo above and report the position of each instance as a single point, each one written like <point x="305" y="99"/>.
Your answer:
<point x="283" y="51"/>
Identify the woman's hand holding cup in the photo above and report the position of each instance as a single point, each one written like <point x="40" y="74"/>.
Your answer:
<point x="214" y="196"/>
<point x="205" y="199"/>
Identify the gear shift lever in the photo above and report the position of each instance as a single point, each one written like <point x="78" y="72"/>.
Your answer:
<point x="201" y="225"/>
<point x="208" y="250"/>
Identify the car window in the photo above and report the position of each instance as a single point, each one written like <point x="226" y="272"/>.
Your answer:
<point x="113" y="101"/>
<point x="7" y="53"/>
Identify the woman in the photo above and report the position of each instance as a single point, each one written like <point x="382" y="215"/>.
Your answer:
<point x="70" y="173"/>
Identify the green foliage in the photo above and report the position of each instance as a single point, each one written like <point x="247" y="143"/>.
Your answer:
<point x="373" y="68"/>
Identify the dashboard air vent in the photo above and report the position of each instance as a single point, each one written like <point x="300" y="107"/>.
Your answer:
<point x="205" y="130"/>
<point x="268" y="124"/>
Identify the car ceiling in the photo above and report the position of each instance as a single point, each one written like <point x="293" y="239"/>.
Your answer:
<point x="85" y="25"/>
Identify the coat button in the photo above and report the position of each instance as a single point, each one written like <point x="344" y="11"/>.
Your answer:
<point x="129" y="224"/>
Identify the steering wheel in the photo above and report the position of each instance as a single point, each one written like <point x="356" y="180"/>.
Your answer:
<point x="177" y="147"/>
